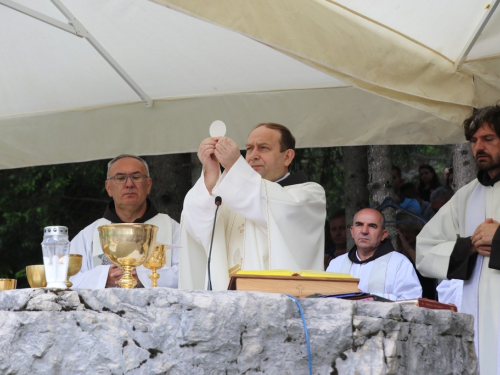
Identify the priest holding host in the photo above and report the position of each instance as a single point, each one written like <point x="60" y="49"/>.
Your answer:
<point x="381" y="270"/>
<point x="462" y="241"/>
<point x="268" y="219"/>
<point x="128" y="184"/>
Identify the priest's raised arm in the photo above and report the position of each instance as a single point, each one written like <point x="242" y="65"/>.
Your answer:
<point x="268" y="218"/>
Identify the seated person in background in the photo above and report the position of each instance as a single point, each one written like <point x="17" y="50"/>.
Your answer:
<point x="404" y="201"/>
<point x="440" y="197"/>
<point x="337" y="233"/>
<point x="410" y="192"/>
<point x="449" y="291"/>
<point x="268" y="219"/>
<point x="381" y="270"/>
<point x="397" y="182"/>
<point x="429" y="181"/>
<point x="128" y="184"/>
<point x="408" y="229"/>
<point x="329" y="245"/>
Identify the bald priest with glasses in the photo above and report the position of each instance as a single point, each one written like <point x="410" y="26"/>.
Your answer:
<point x="128" y="184"/>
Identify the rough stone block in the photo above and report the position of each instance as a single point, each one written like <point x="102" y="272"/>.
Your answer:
<point x="165" y="331"/>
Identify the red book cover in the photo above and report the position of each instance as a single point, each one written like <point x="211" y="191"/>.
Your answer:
<point x="429" y="304"/>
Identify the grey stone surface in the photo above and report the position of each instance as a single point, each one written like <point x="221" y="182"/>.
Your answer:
<point x="165" y="331"/>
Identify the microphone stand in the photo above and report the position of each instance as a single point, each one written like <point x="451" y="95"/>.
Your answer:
<point x="218" y="202"/>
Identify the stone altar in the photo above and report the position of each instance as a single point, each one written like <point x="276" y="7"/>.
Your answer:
<point x="165" y="331"/>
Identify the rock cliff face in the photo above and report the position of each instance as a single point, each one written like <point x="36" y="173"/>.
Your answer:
<point x="157" y="331"/>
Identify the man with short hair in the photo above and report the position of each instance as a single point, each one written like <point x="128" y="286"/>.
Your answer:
<point x="381" y="270"/>
<point x="338" y="233"/>
<point x="128" y="184"/>
<point x="336" y="236"/>
<point x="462" y="240"/>
<point x="268" y="219"/>
<point x="440" y="197"/>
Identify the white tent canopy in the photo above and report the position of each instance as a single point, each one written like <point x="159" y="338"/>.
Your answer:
<point x="442" y="57"/>
<point x="328" y="75"/>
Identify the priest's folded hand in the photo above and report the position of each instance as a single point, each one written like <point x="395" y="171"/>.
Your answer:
<point x="484" y="251"/>
<point x="483" y="236"/>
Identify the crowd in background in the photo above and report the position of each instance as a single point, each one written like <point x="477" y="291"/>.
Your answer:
<point x="416" y="205"/>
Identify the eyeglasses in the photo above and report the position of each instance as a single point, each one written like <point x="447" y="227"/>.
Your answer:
<point x="121" y="178"/>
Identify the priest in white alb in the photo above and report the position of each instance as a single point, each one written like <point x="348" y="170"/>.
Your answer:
<point x="269" y="218"/>
<point x="128" y="184"/>
<point x="462" y="240"/>
<point x="381" y="270"/>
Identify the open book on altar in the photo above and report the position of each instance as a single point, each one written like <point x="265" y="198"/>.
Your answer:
<point x="298" y="284"/>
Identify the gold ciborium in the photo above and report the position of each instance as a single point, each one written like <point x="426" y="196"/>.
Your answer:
<point x="36" y="276"/>
<point x="128" y="246"/>
<point x="74" y="266"/>
<point x="8" y="284"/>
<point x="157" y="260"/>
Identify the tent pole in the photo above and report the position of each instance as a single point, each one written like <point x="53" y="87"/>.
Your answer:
<point x="82" y="31"/>
<point x="75" y="27"/>
<point x="475" y="35"/>
<point x="39" y="16"/>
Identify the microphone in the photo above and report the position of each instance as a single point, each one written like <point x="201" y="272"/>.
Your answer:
<point x="218" y="202"/>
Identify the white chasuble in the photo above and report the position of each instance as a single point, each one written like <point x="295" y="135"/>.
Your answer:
<point x="93" y="274"/>
<point x="265" y="225"/>
<point x="235" y="243"/>
<point x="468" y="208"/>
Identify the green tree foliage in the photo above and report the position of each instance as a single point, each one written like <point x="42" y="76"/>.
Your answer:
<point x="72" y="195"/>
<point x="324" y="166"/>
<point x="410" y="157"/>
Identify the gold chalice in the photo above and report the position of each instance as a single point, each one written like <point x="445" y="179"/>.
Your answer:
<point x="128" y="246"/>
<point x="74" y="266"/>
<point x="8" y="284"/>
<point x="156" y="261"/>
<point x="36" y="276"/>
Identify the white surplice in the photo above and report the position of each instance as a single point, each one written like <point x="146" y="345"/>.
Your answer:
<point x="468" y="208"/>
<point x="391" y="276"/>
<point x="450" y="291"/>
<point x="93" y="274"/>
<point x="260" y="225"/>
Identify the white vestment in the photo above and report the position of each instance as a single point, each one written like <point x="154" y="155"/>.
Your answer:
<point x="468" y="208"/>
<point x="260" y="225"/>
<point x="450" y="291"/>
<point x="390" y="276"/>
<point x="94" y="275"/>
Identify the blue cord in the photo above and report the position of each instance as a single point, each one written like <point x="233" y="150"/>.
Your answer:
<point x="305" y="331"/>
